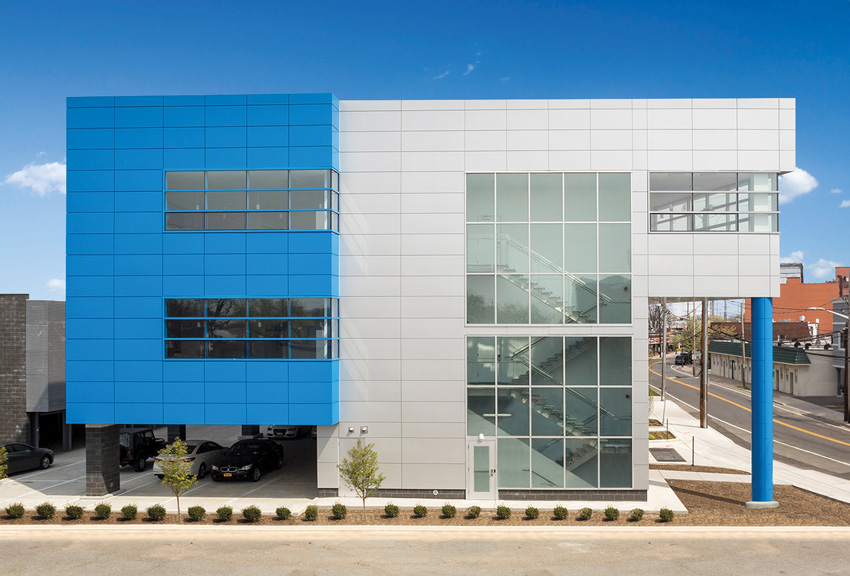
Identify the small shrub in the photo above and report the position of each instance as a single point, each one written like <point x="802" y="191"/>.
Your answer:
<point x="391" y="510"/>
<point x="420" y="511"/>
<point x="339" y="511"/>
<point x="283" y="513"/>
<point x="561" y="513"/>
<point x="311" y="513"/>
<point x="224" y="514"/>
<point x="103" y="511"/>
<point x="15" y="510"/>
<point x="73" y="512"/>
<point x="196" y="513"/>
<point x="449" y="511"/>
<point x="45" y="510"/>
<point x="252" y="514"/>
<point x="585" y="514"/>
<point x="532" y="513"/>
<point x="636" y="515"/>
<point x="503" y="512"/>
<point x="611" y="514"/>
<point x="473" y="512"/>
<point x="666" y="515"/>
<point x="129" y="512"/>
<point x="156" y="512"/>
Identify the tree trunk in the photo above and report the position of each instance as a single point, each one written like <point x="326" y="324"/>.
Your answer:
<point x="364" y="510"/>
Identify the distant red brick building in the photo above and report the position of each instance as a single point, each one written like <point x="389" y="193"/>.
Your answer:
<point x="796" y="297"/>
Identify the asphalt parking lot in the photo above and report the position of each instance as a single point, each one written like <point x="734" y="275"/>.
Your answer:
<point x="65" y="480"/>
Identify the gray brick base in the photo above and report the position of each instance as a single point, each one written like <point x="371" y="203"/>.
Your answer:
<point x="568" y="495"/>
<point x="403" y="493"/>
<point x="102" y="455"/>
<point x="539" y="495"/>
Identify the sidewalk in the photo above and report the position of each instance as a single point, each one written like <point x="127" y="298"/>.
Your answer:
<point x="710" y="448"/>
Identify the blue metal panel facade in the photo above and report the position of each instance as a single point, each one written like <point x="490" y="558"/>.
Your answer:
<point x="122" y="264"/>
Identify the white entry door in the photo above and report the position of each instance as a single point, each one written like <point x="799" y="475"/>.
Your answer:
<point x="481" y="469"/>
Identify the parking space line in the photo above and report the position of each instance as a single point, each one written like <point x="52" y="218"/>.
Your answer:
<point x="251" y="491"/>
<point x="32" y="491"/>
<point x="125" y="492"/>
<point x="51" y="469"/>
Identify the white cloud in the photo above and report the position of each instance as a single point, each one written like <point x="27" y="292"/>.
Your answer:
<point x="845" y="204"/>
<point x="56" y="285"/>
<point x="835" y="191"/>
<point x="823" y="269"/>
<point x="795" y="184"/>
<point x="40" y="178"/>
<point x="469" y="68"/>
<point x="441" y="76"/>
<point x="796" y="256"/>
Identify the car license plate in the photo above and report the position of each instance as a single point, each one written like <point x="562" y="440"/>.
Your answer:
<point x="227" y="474"/>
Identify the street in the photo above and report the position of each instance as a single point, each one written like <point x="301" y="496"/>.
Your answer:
<point x="799" y="439"/>
<point x="241" y="550"/>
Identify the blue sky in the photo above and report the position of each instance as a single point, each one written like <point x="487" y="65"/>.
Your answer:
<point x="392" y="50"/>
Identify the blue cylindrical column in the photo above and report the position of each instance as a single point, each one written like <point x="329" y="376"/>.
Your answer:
<point x="761" y="342"/>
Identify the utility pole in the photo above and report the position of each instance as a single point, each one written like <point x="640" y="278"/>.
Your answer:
<point x="694" y="338"/>
<point x="847" y="362"/>
<point x="664" y="348"/>
<point x="743" y="347"/>
<point x="703" y="381"/>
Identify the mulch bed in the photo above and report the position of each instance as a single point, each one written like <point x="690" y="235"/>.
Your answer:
<point x="689" y="468"/>
<point x="708" y="503"/>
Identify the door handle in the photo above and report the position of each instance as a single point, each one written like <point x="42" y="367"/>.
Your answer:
<point x="492" y="471"/>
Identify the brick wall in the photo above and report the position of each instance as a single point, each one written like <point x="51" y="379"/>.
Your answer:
<point x="14" y="424"/>
<point x="102" y="456"/>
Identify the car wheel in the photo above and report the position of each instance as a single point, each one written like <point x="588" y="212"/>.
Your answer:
<point x="202" y="471"/>
<point x="140" y="464"/>
<point x="255" y="476"/>
<point x="45" y="462"/>
<point x="159" y="476"/>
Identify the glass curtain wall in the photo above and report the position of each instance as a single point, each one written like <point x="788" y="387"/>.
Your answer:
<point x="548" y="248"/>
<point x="559" y="407"/>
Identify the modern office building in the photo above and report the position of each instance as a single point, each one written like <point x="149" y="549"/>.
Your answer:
<point x="463" y="284"/>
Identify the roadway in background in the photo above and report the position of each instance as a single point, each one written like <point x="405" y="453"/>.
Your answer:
<point x="800" y="438"/>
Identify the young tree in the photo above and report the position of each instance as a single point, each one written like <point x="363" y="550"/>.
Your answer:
<point x="361" y="472"/>
<point x="3" y="459"/>
<point x="175" y="470"/>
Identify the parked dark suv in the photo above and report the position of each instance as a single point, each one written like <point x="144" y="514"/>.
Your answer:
<point x="248" y="459"/>
<point x="137" y="445"/>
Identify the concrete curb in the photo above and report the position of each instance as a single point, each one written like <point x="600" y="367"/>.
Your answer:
<point x="595" y="531"/>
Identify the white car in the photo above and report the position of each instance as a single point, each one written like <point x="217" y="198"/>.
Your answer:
<point x="202" y="454"/>
<point x="287" y="432"/>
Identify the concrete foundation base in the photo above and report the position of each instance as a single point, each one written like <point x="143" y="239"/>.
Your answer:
<point x="761" y="505"/>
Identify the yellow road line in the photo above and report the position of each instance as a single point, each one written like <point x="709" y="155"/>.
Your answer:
<point x="749" y="410"/>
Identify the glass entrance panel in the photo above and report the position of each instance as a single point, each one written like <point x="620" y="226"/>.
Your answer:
<point x="481" y="468"/>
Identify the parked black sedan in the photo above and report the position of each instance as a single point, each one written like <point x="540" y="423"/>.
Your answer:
<point x="22" y="457"/>
<point x="248" y="459"/>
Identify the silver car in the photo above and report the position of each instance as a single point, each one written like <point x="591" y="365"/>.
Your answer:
<point x="287" y="432"/>
<point x="202" y="454"/>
